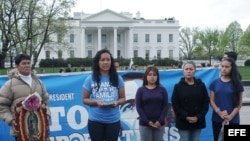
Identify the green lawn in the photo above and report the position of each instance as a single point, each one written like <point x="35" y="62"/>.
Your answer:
<point x="245" y="72"/>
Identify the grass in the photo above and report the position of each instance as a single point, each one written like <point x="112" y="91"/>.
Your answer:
<point x="244" y="71"/>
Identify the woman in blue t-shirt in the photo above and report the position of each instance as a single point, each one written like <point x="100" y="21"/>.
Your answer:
<point x="226" y="96"/>
<point x="103" y="91"/>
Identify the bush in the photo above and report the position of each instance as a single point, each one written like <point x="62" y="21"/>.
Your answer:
<point x="203" y="65"/>
<point x="52" y="63"/>
<point x="247" y="62"/>
<point x="167" y="62"/>
<point x="87" y="62"/>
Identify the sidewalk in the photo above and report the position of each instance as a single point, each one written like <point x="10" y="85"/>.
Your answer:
<point x="246" y="95"/>
<point x="245" y="115"/>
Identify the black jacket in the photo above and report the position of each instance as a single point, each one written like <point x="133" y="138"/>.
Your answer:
<point x="190" y="100"/>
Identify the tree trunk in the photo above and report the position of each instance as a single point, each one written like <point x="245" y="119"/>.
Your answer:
<point x="2" y="61"/>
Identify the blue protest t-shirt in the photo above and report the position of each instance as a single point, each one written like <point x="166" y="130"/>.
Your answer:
<point x="224" y="99"/>
<point x="106" y="93"/>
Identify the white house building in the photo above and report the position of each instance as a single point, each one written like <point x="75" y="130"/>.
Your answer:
<point x="121" y="33"/>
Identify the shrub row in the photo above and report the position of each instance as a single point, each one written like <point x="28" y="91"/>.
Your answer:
<point x="247" y="62"/>
<point x="77" y="62"/>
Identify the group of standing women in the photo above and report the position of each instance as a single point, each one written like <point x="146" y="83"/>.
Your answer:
<point x="104" y="91"/>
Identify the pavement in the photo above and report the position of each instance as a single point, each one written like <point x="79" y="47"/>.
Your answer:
<point x="246" y="95"/>
<point x="245" y="109"/>
<point x="245" y="115"/>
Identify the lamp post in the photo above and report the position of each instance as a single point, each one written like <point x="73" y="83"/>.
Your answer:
<point x="155" y="60"/>
<point x="211" y="53"/>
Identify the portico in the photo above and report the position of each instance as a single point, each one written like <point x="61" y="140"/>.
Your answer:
<point x="121" y="33"/>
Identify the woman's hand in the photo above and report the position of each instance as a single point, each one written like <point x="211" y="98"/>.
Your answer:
<point x="192" y="119"/>
<point x="13" y="126"/>
<point x="100" y="103"/>
<point x="114" y="104"/>
<point x="157" y="124"/>
<point x="151" y="124"/>
<point x="228" y="117"/>
<point x="223" y="114"/>
<point x="154" y="125"/>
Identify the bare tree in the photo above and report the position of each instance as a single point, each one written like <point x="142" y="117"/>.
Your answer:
<point x="27" y="25"/>
<point x="10" y="14"/>
<point x="188" y="38"/>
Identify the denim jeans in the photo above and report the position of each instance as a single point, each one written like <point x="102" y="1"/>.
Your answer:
<point x="190" y="135"/>
<point x="103" y="131"/>
<point x="151" y="134"/>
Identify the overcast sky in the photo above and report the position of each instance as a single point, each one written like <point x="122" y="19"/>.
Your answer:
<point x="190" y="13"/>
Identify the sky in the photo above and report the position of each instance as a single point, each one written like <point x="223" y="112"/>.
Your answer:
<point x="215" y="14"/>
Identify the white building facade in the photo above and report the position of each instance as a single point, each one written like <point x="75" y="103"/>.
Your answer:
<point x="121" y="33"/>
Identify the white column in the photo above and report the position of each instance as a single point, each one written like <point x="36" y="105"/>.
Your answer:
<point x="130" y="45"/>
<point x="115" y="42"/>
<point x="99" y="44"/>
<point x="82" y="47"/>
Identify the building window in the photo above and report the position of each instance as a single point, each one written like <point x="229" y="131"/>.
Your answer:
<point x="89" y="53"/>
<point x="135" y="53"/>
<point x="118" y="38"/>
<point x="59" y="54"/>
<point x="89" y="38"/>
<point x="171" y="38"/>
<point x="104" y="38"/>
<point x="171" y="52"/>
<point x="118" y="54"/>
<point x="147" y="38"/>
<point x="158" y="54"/>
<point x="71" y="54"/>
<point x="147" y="54"/>
<point x="158" y="38"/>
<point x="135" y="38"/>
<point x="59" y="38"/>
<point x="47" y="54"/>
<point x="71" y="38"/>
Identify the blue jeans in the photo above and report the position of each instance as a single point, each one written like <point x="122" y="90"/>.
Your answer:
<point x="190" y="135"/>
<point x="151" y="134"/>
<point x="103" y="131"/>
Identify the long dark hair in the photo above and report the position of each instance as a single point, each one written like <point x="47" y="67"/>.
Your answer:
<point x="236" y="81"/>
<point x="113" y="76"/>
<point x="151" y="68"/>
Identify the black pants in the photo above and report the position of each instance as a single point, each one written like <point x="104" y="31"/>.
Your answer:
<point x="103" y="131"/>
<point x="216" y="128"/>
